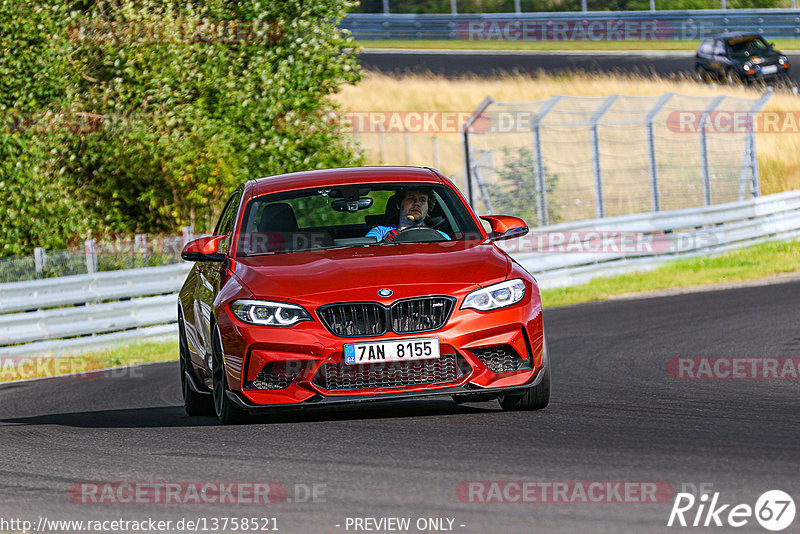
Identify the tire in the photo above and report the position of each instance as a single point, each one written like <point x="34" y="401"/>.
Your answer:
<point x="193" y="403"/>
<point x="700" y="74"/>
<point x="536" y="397"/>
<point x="226" y="412"/>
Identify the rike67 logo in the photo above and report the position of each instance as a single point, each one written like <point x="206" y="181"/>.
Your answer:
<point x="774" y="510"/>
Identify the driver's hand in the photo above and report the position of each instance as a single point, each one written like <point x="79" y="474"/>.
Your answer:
<point x="391" y="235"/>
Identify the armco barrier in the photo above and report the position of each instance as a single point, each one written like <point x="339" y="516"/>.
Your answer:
<point x="73" y="313"/>
<point x="676" y="25"/>
<point x="44" y="317"/>
<point x="686" y="233"/>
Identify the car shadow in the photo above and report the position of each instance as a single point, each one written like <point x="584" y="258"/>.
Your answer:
<point x="174" y="416"/>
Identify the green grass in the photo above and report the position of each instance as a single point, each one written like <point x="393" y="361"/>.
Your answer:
<point x="751" y="263"/>
<point x="459" y="44"/>
<point x="45" y="366"/>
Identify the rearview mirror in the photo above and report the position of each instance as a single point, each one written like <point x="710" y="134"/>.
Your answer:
<point x="204" y="249"/>
<point x="352" y="205"/>
<point x="505" y="227"/>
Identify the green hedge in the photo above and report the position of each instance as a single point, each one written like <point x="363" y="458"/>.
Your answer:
<point x="187" y="101"/>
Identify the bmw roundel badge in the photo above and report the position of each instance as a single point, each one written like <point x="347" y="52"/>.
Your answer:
<point x="385" y="292"/>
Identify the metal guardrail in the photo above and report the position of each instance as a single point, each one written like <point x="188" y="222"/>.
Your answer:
<point x="675" y="234"/>
<point x="678" y="25"/>
<point x="53" y="316"/>
<point x="59" y="315"/>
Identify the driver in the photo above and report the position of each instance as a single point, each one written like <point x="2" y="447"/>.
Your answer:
<point x="413" y="206"/>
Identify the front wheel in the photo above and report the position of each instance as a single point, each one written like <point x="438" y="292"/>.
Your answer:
<point x="535" y="397"/>
<point x="227" y="413"/>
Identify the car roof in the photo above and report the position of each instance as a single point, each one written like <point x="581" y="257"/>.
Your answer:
<point x="343" y="176"/>
<point x="736" y="35"/>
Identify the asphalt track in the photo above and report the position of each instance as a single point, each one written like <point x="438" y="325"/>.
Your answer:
<point x="616" y="415"/>
<point x="460" y="63"/>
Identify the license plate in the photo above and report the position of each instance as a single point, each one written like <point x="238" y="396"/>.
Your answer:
<point x="391" y="351"/>
<point x="769" y="69"/>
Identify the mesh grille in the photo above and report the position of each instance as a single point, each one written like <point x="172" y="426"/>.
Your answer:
<point x="422" y="314"/>
<point x="501" y="359"/>
<point x="341" y="377"/>
<point x="356" y="319"/>
<point x="276" y="375"/>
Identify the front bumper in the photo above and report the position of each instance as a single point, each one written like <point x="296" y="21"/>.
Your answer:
<point x="320" y="401"/>
<point x="249" y="349"/>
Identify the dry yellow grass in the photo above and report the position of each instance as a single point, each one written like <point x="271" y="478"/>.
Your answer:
<point x="779" y="153"/>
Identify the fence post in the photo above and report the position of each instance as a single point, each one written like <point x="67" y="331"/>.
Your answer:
<point x="39" y="260"/>
<point x="750" y="161"/>
<point x="704" y="149"/>
<point x="517" y="6"/>
<point x="188" y="234"/>
<point x="467" y="159"/>
<point x="381" y="145"/>
<point x="597" y="170"/>
<point x="538" y="169"/>
<point x="140" y="244"/>
<point x="385" y="7"/>
<point x="454" y="7"/>
<point x="91" y="256"/>
<point x="651" y="149"/>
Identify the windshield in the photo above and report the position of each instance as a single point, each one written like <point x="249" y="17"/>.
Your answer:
<point x="343" y="216"/>
<point x="748" y="46"/>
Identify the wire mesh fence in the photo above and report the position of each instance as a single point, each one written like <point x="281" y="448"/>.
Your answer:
<point x="571" y="158"/>
<point x="142" y="250"/>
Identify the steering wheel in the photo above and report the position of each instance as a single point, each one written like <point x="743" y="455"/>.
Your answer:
<point x="418" y="234"/>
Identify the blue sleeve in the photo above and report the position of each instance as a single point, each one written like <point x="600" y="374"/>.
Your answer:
<point x="378" y="232"/>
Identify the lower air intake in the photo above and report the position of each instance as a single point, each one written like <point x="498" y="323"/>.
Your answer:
<point x="501" y="358"/>
<point x="343" y="377"/>
<point x="276" y="375"/>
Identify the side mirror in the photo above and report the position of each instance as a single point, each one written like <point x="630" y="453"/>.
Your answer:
<point x="204" y="249"/>
<point x="505" y="227"/>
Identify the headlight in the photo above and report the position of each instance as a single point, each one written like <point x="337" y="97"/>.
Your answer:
<point x="747" y="66"/>
<point x="782" y="60"/>
<point x="269" y="313"/>
<point x="496" y="296"/>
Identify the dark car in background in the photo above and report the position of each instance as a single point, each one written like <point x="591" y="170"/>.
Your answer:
<point x="738" y="57"/>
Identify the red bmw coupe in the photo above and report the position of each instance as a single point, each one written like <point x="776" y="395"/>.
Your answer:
<point x="359" y="284"/>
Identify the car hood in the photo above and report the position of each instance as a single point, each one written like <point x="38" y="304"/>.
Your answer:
<point x="356" y="274"/>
